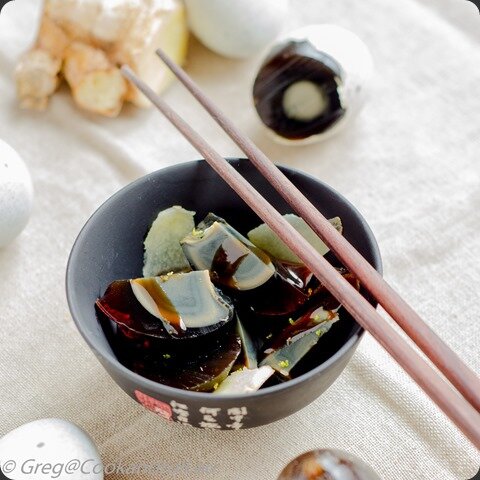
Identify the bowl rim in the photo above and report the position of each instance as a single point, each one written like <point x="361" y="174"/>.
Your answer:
<point x="159" y="388"/>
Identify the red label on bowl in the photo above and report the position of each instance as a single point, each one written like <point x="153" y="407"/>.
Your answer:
<point x="156" y="406"/>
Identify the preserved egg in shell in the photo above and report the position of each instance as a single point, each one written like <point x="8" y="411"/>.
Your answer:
<point x="312" y="82"/>
<point x="327" y="465"/>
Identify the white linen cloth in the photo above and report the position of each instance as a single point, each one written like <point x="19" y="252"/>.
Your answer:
<point x="410" y="163"/>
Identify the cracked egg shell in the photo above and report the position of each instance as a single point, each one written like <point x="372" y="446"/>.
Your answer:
<point x="312" y="82"/>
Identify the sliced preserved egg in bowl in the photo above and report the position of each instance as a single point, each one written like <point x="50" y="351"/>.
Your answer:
<point x="181" y="305"/>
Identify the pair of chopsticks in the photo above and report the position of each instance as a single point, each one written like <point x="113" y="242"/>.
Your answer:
<point x="462" y="405"/>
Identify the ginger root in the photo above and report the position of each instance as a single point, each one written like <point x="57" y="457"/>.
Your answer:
<point x="86" y="41"/>
<point x="37" y="78"/>
<point x="97" y="85"/>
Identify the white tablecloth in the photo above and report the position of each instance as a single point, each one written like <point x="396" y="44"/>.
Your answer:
<point x="410" y="163"/>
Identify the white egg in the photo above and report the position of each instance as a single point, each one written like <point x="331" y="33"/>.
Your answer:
<point x="49" y="448"/>
<point x="314" y="80"/>
<point x="16" y="194"/>
<point x="236" y="28"/>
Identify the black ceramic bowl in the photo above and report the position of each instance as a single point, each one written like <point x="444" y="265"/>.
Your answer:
<point x="110" y="247"/>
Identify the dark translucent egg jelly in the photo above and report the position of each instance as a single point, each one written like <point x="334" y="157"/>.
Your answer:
<point x="120" y="305"/>
<point x="198" y="359"/>
<point x="196" y="367"/>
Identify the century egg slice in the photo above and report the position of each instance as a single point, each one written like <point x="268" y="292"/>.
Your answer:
<point x="324" y="298"/>
<point x="283" y="296"/>
<point x="232" y="260"/>
<point x="249" y="349"/>
<point x="181" y="305"/>
<point x="290" y="293"/>
<point x="266" y="239"/>
<point x="211" y="218"/>
<point x="163" y="252"/>
<point x="305" y="322"/>
<point x="285" y="358"/>
<point x="198" y="369"/>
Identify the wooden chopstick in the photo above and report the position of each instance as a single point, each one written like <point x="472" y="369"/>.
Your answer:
<point x="445" y="359"/>
<point x="455" y="407"/>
